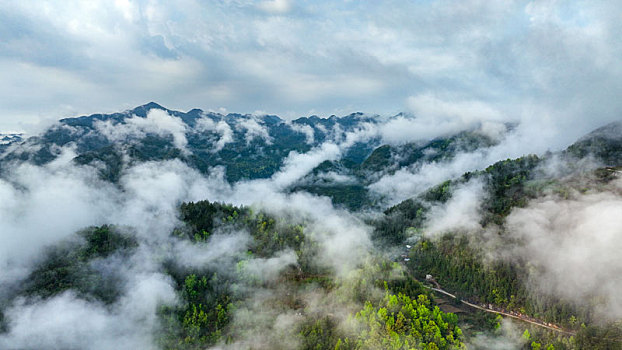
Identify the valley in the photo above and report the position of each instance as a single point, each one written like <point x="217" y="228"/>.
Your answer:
<point x="237" y="231"/>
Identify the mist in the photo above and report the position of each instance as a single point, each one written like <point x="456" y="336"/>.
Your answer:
<point x="573" y="245"/>
<point x="45" y="205"/>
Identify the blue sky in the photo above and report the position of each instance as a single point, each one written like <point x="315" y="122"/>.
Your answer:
<point x="549" y="64"/>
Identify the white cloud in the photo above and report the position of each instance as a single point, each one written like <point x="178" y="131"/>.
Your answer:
<point x="128" y="9"/>
<point x="409" y="182"/>
<point x="304" y="129"/>
<point x="220" y="246"/>
<point x="460" y="213"/>
<point x="157" y="122"/>
<point x="333" y="177"/>
<point x="221" y="128"/>
<point x="435" y="117"/>
<point x="275" y="6"/>
<point x="268" y="269"/>
<point x="574" y="246"/>
<point x="253" y="130"/>
<point x="429" y="106"/>
<point x="297" y="165"/>
<point x="40" y="204"/>
<point x="66" y="321"/>
<point x="44" y="205"/>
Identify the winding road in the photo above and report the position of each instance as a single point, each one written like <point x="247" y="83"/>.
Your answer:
<point x="523" y="318"/>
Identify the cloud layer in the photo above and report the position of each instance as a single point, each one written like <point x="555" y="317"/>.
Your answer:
<point x="550" y="64"/>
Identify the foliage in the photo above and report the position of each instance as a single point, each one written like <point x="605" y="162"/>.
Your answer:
<point x="202" y="316"/>
<point x="458" y="262"/>
<point x="70" y="265"/>
<point x="353" y="197"/>
<point x="110" y="159"/>
<point x="506" y="186"/>
<point x="388" y="158"/>
<point x="269" y="235"/>
<point x="399" y="322"/>
<point x="604" y="144"/>
<point x="599" y="338"/>
<point x="319" y="334"/>
<point x="404" y="318"/>
<point x="208" y="298"/>
<point x="458" y="267"/>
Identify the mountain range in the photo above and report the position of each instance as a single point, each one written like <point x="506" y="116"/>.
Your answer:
<point x="242" y="231"/>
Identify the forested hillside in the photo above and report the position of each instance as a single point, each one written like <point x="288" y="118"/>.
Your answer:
<point x="462" y="263"/>
<point x="160" y="229"/>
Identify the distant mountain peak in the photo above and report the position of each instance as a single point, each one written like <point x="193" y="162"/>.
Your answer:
<point x="151" y="105"/>
<point x="195" y="111"/>
<point x="610" y="131"/>
<point x="604" y="143"/>
<point x="6" y="138"/>
<point x="144" y="109"/>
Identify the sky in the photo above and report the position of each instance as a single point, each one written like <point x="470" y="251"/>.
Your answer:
<point x="554" y="65"/>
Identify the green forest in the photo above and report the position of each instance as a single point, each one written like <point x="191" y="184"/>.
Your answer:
<point x="395" y="311"/>
<point x="361" y="275"/>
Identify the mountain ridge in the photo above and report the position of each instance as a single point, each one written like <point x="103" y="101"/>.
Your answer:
<point x="256" y="147"/>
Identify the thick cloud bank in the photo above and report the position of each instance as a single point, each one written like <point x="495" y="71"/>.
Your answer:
<point x="157" y="122"/>
<point x="65" y="321"/>
<point x="575" y="246"/>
